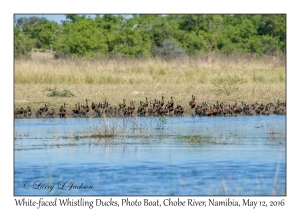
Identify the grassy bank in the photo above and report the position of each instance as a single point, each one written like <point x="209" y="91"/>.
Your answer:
<point x="224" y="78"/>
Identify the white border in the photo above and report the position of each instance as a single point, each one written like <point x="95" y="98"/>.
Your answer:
<point x="8" y="8"/>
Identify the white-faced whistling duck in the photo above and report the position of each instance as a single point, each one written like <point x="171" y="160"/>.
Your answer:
<point x="64" y="107"/>
<point x="39" y="113"/>
<point x="155" y="108"/>
<point x="93" y="105"/>
<point x="45" y="108"/>
<point x="267" y="110"/>
<point x="217" y="105"/>
<point x="123" y="105"/>
<point x="204" y="105"/>
<point x="230" y="110"/>
<point x="97" y="110"/>
<point x="234" y="109"/>
<point x="75" y="110"/>
<point x="115" y="111"/>
<point x="104" y="105"/>
<point x="162" y="101"/>
<point x="141" y="109"/>
<point x="281" y="103"/>
<point x="120" y="109"/>
<point x="215" y="111"/>
<point x="171" y="101"/>
<point x="146" y="102"/>
<point x="261" y="107"/>
<point x="87" y="108"/>
<point x="167" y="110"/>
<point x="51" y="113"/>
<point x="158" y="104"/>
<point x="258" y="110"/>
<point x="143" y="112"/>
<point x="132" y="106"/>
<point x="160" y="110"/>
<point x="62" y="114"/>
<point x="27" y="112"/>
<point x="255" y="105"/>
<point x="141" y="106"/>
<point x="178" y="110"/>
<point x="249" y="111"/>
<point x="239" y="110"/>
<point x="224" y="109"/>
<point x="150" y="109"/>
<point x="63" y="111"/>
<point x="19" y="112"/>
<point x="248" y="107"/>
<point x="170" y="107"/>
<point x="16" y="111"/>
<point x="128" y="111"/>
<point x="269" y="105"/>
<point x="199" y="110"/>
<point x="192" y="103"/>
<point x="82" y="111"/>
<point x="207" y="111"/>
<point x="277" y="109"/>
<point x="110" y="111"/>
<point x="278" y="102"/>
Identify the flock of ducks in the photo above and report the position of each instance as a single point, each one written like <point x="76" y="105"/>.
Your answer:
<point x="155" y="108"/>
<point x="221" y="109"/>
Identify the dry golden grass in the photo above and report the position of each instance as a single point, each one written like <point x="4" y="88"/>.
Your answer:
<point x="228" y="79"/>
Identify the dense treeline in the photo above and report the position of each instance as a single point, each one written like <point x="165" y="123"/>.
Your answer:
<point x="152" y="35"/>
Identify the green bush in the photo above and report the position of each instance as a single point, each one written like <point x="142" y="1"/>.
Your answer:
<point x="56" y="93"/>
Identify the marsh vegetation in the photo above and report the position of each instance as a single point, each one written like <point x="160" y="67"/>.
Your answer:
<point x="223" y="78"/>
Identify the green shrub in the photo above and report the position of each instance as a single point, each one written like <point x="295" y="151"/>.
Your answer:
<point x="56" y="93"/>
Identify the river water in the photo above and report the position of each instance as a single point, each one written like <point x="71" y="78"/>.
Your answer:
<point x="242" y="155"/>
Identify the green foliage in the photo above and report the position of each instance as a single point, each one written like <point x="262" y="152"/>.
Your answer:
<point x="191" y="42"/>
<point x="44" y="34"/>
<point x="152" y="35"/>
<point x="55" y="93"/>
<point x="22" y="45"/>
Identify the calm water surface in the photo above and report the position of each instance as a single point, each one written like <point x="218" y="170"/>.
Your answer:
<point x="173" y="156"/>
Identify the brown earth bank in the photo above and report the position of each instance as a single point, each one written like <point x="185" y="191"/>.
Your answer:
<point x="154" y="108"/>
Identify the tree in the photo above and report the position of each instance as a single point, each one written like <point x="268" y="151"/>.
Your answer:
<point x="153" y="35"/>
<point x="82" y="38"/>
<point x="22" y="45"/>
